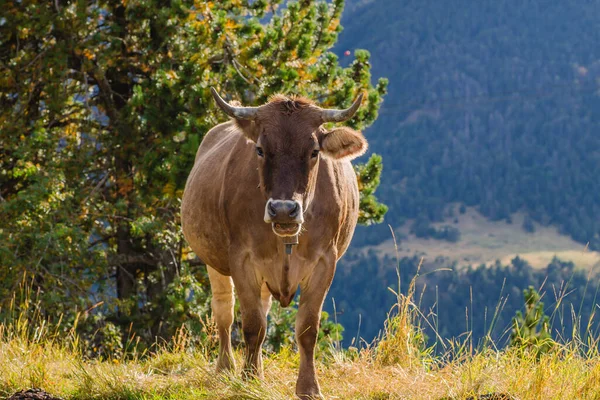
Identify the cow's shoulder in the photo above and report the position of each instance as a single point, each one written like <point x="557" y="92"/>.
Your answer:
<point x="336" y="203"/>
<point x="218" y="138"/>
<point x="337" y="179"/>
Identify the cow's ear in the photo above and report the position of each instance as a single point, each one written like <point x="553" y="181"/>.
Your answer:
<point x="343" y="143"/>
<point x="249" y="129"/>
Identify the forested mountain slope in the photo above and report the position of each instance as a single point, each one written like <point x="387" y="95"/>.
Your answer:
<point x="490" y="104"/>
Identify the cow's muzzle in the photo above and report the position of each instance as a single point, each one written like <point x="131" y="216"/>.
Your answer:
<point x="285" y="216"/>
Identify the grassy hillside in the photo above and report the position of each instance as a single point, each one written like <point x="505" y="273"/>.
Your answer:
<point x="483" y="241"/>
<point x="183" y="375"/>
<point x="396" y="367"/>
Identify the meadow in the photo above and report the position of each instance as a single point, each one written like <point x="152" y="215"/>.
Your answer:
<point x="398" y="365"/>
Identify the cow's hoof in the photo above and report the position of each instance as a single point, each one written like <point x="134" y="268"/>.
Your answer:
<point x="225" y="364"/>
<point x="309" y="391"/>
<point x="304" y="396"/>
<point x="251" y="373"/>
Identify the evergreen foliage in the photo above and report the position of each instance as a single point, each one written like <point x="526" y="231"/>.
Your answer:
<point x="369" y="174"/>
<point x="422" y="228"/>
<point x="528" y="225"/>
<point x="281" y="334"/>
<point x="531" y="331"/>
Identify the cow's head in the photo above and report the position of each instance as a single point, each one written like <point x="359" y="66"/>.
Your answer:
<point x="289" y="140"/>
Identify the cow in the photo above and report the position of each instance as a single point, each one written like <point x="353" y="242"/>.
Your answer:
<point x="273" y="175"/>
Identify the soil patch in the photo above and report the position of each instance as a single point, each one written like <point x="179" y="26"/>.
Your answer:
<point x="33" y="394"/>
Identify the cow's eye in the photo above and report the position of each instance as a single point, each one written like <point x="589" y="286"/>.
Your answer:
<point x="260" y="151"/>
<point x="315" y="154"/>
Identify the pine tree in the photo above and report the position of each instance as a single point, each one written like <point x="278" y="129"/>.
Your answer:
<point x="371" y="211"/>
<point x="531" y="332"/>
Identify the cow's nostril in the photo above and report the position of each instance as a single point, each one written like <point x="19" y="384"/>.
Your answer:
<point x="271" y="210"/>
<point x="295" y="210"/>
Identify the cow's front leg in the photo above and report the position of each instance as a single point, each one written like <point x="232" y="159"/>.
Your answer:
<point x="254" y="323"/>
<point x="254" y="326"/>
<point x="308" y="319"/>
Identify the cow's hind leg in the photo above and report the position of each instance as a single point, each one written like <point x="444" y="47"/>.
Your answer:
<point x="222" y="306"/>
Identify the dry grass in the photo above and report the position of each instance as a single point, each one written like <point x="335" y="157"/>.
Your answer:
<point x="564" y="374"/>
<point x="397" y="366"/>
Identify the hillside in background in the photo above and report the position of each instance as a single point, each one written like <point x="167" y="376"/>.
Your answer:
<point x="492" y="110"/>
<point x="482" y="241"/>
<point x="490" y="104"/>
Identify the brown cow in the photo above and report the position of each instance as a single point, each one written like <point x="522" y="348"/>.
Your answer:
<point x="271" y="173"/>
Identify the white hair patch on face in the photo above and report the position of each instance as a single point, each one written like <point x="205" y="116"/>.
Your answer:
<point x="267" y="217"/>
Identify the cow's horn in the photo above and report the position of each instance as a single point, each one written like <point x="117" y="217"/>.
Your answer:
<point x="234" y="112"/>
<point x="341" y="115"/>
